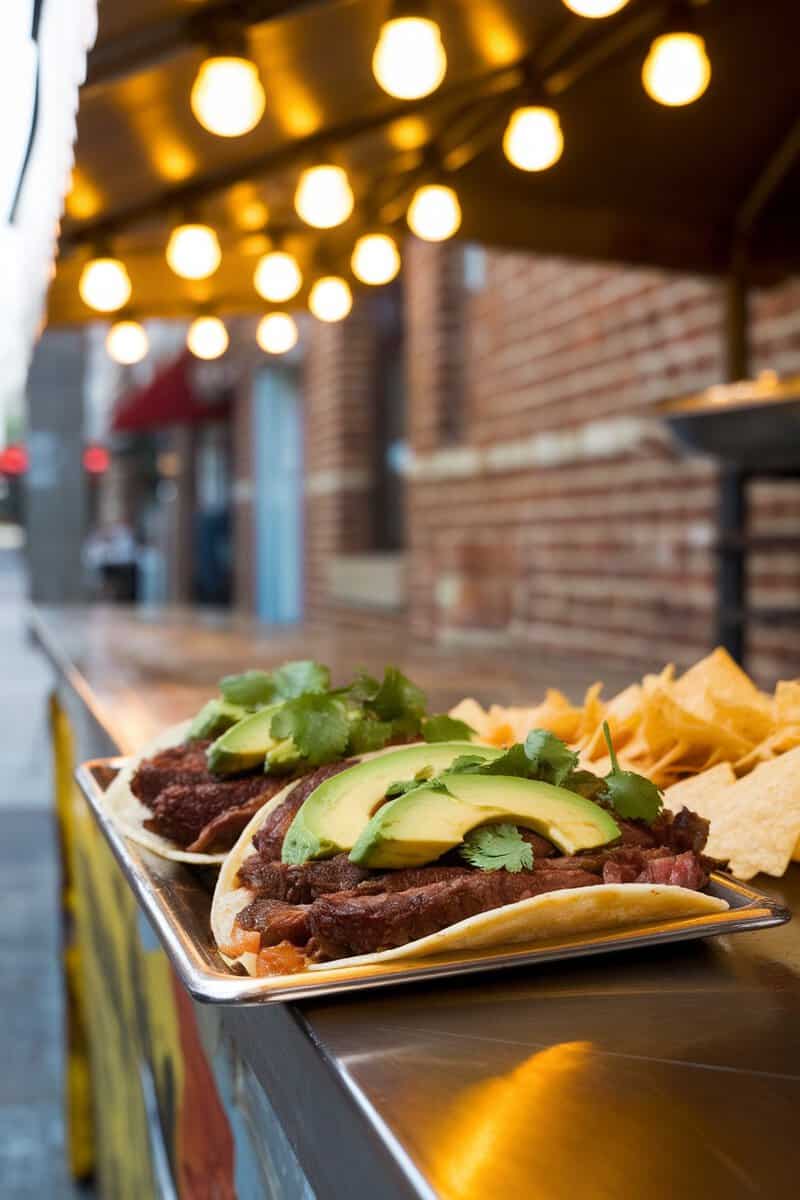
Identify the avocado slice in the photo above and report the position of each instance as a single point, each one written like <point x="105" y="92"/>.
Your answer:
<point x="214" y="718"/>
<point x="420" y="826"/>
<point x="335" y="813"/>
<point x="244" y="745"/>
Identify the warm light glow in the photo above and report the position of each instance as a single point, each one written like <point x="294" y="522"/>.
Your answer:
<point x="127" y="342"/>
<point x="105" y="284"/>
<point x="330" y="298"/>
<point x="278" y="277"/>
<point x="409" y="60"/>
<point x="434" y="213"/>
<point x="324" y="197"/>
<point x="533" y="140"/>
<point x="276" y="333"/>
<point x="207" y="337"/>
<point x="595" y="8"/>
<point x="375" y="259"/>
<point x="227" y="96"/>
<point x="677" y="70"/>
<point x="193" y="251"/>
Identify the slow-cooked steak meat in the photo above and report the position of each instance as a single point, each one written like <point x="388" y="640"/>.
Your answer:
<point x="681" y="831"/>
<point x="358" y="923"/>
<point x="183" y="810"/>
<point x="276" y="921"/>
<point x="269" y="839"/>
<point x="222" y="831"/>
<point x="300" y="884"/>
<point x="178" y="764"/>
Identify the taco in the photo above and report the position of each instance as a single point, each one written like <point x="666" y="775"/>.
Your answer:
<point x="427" y="849"/>
<point x="189" y="795"/>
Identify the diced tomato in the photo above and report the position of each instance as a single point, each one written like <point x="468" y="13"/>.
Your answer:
<point x="242" y="941"/>
<point x="283" y="959"/>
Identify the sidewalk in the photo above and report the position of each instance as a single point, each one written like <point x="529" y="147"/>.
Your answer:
<point x="31" y="1132"/>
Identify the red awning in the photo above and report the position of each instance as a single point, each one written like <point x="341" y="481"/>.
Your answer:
<point x="170" y="398"/>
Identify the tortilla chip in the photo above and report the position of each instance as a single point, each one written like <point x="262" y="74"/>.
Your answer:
<point x="786" y="702"/>
<point x="667" y="721"/>
<point x="685" y="794"/>
<point x="755" y="823"/>
<point x="623" y="713"/>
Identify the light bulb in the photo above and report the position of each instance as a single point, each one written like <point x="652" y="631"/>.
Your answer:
<point x="193" y="251"/>
<point x="330" y="298"/>
<point x="227" y="97"/>
<point x="105" y="284"/>
<point x="409" y="60"/>
<point x="127" y="342"/>
<point x="434" y="212"/>
<point x="595" y="8"/>
<point x="324" y="197"/>
<point x="375" y="259"/>
<point x="207" y="337"/>
<point x="676" y="70"/>
<point x="533" y="140"/>
<point x="276" y="333"/>
<point x="277" y="277"/>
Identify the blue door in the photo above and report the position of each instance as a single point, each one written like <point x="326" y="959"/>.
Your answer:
<point x="278" y="496"/>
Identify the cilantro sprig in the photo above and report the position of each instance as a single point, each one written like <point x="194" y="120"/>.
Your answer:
<point x="497" y="847"/>
<point x="254" y="689"/>
<point x="631" y="795"/>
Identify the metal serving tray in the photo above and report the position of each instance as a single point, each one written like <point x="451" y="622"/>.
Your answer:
<point x="177" y="899"/>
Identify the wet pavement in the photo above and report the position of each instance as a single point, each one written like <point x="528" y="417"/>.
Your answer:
<point x="32" y="1162"/>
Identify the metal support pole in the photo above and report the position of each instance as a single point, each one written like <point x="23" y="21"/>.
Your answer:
<point x="732" y="494"/>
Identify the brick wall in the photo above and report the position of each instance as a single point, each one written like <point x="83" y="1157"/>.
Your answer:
<point x="546" y="504"/>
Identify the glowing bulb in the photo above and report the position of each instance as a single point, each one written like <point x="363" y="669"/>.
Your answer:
<point x="533" y="140"/>
<point x="193" y="251"/>
<point x="595" y="8"/>
<point x="434" y="213"/>
<point x="375" y="259"/>
<point x="330" y="298"/>
<point x="676" y="70"/>
<point x="324" y="197"/>
<point x="105" y="284"/>
<point x="277" y="277"/>
<point x="127" y="342"/>
<point x="227" y="97"/>
<point x="207" y="337"/>
<point x="409" y="59"/>
<point x="276" y="333"/>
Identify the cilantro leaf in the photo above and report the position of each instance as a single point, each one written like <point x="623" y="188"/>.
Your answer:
<point x="590" y="786"/>
<point x="466" y="764"/>
<point x="514" y="762"/>
<point x="441" y="728"/>
<point x="397" y="696"/>
<point x="632" y="795"/>
<point x="317" y="726"/>
<point x="550" y="759"/>
<point x="368" y="734"/>
<point x="363" y="688"/>
<point x="423" y="778"/>
<point x="300" y="678"/>
<point x="493" y="847"/>
<point x="249" y="690"/>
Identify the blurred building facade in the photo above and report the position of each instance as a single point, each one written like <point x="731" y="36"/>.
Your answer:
<point x="540" y="499"/>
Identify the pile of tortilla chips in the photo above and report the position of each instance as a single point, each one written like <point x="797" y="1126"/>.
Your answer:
<point x="709" y="737"/>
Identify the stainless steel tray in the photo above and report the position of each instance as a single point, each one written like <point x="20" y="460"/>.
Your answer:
<point x="177" y="899"/>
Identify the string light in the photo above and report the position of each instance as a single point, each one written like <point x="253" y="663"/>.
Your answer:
<point x="330" y="298"/>
<point x="409" y="60"/>
<point x="193" y="251"/>
<point x="127" y="342"/>
<point x="276" y="333"/>
<point x="207" y="337"/>
<point x="677" y="70"/>
<point x="105" y="284"/>
<point x="434" y="213"/>
<point x="227" y="96"/>
<point x="324" y="197"/>
<point x="533" y="140"/>
<point x="375" y="259"/>
<point x="278" y="277"/>
<point x="595" y="8"/>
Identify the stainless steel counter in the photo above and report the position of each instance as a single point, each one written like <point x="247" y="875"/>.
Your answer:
<point x="658" y="1074"/>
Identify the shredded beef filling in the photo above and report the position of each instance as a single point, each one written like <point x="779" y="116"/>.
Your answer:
<point x="341" y="909"/>
<point x="183" y="811"/>
<point x="179" y="764"/>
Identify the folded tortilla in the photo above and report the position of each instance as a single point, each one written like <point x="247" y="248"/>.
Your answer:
<point x="129" y="814"/>
<point x="607" y="906"/>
